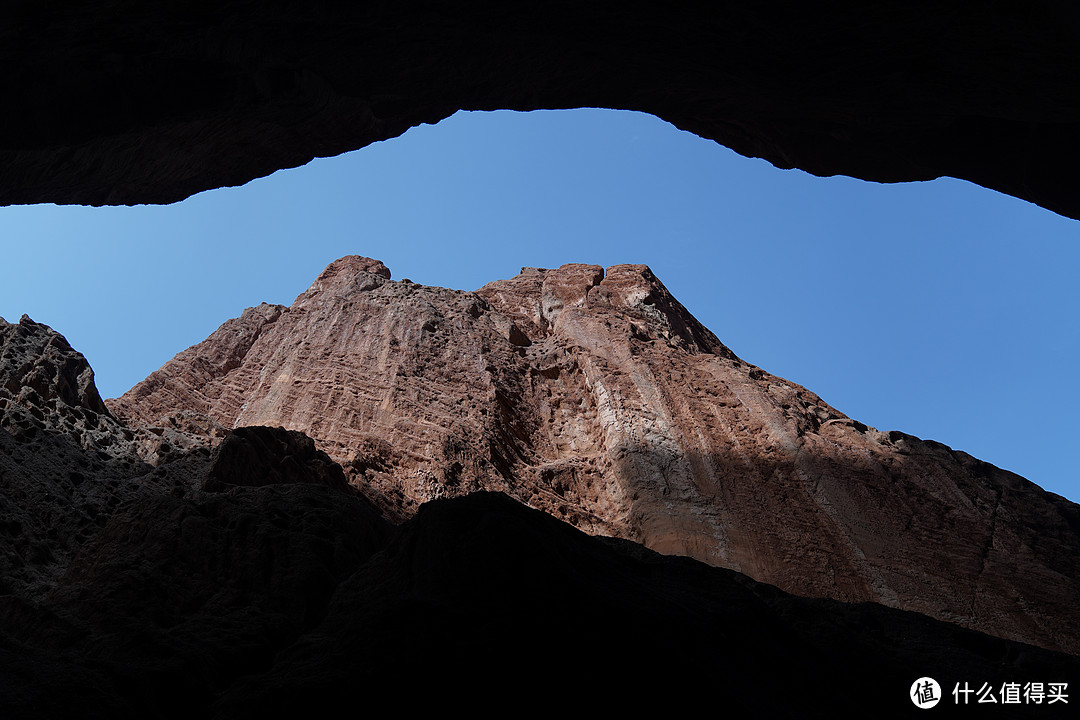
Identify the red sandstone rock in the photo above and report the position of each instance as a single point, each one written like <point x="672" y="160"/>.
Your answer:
<point x="259" y="456"/>
<point x="66" y="464"/>
<point x="596" y="397"/>
<point x="145" y="576"/>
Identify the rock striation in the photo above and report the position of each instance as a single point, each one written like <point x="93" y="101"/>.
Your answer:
<point x="595" y="396"/>
<point x="117" y="107"/>
<point x="177" y="568"/>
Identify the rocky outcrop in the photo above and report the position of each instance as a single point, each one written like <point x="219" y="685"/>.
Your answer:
<point x="140" y="567"/>
<point x="179" y="569"/>
<point x="115" y="107"/>
<point x="258" y="456"/>
<point x="38" y="368"/>
<point x="177" y="596"/>
<point x="296" y="598"/>
<point x="65" y="461"/>
<point x="595" y="396"/>
<point x="67" y="465"/>
<point x="477" y="594"/>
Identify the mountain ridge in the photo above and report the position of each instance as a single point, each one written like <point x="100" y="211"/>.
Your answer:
<point x="595" y="396"/>
<point x="181" y="568"/>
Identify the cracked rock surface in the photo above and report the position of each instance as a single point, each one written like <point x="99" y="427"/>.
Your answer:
<point x="179" y="568"/>
<point x="595" y="396"/>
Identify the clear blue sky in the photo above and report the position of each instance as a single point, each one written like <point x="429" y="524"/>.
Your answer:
<point x="941" y="309"/>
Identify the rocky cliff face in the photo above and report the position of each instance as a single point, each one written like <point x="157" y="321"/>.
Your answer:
<point x="66" y="463"/>
<point x="595" y="396"/>
<point x="174" y="568"/>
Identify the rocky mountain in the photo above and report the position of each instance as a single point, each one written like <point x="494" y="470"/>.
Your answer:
<point x="594" y="396"/>
<point x="156" y="562"/>
<point x="177" y="568"/>
<point x="66" y="463"/>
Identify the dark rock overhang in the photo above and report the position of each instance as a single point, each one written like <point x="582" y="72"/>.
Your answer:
<point x="125" y="103"/>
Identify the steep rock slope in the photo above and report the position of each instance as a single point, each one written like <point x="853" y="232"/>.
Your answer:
<point x="595" y="396"/>
<point x="66" y="464"/>
<point x="192" y="572"/>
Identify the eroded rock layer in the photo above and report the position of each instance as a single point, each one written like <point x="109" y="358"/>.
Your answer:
<point x="595" y="396"/>
<point x="113" y="106"/>
<point x="66" y="464"/>
<point x="178" y="569"/>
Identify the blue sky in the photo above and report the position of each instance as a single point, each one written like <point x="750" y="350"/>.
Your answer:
<point x="941" y="309"/>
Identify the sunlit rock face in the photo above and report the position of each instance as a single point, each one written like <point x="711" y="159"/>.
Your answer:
<point x="112" y="106"/>
<point x="178" y="568"/>
<point x="593" y="395"/>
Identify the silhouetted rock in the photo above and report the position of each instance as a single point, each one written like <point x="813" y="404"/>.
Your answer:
<point x="595" y="396"/>
<point x="288" y="598"/>
<point x="480" y="597"/>
<point x="65" y="462"/>
<point x="257" y="456"/>
<point x="153" y="106"/>
<point x="177" y="597"/>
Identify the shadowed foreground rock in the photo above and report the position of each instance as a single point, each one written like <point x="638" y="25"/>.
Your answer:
<point x="272" y="600"/>
<point x="177" y="597"/>
<point x="595" y="396"/>
<point x="257" y="456"/>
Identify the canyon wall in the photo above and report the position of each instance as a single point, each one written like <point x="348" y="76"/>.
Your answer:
<point x="595" y="396"/>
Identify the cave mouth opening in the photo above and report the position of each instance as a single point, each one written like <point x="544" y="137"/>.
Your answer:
<point x="907" y="306"/>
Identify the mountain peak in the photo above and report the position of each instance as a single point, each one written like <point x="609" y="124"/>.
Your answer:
<point x="353" y="264"/>
<point x="38" y="366"/>
<point x="572" y="298"/>
<point x="343" y="277"/>
<point x="595" y="396"/>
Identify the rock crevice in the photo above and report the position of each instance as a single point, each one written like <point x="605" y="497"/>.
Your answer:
<point x="595" y="396"/>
